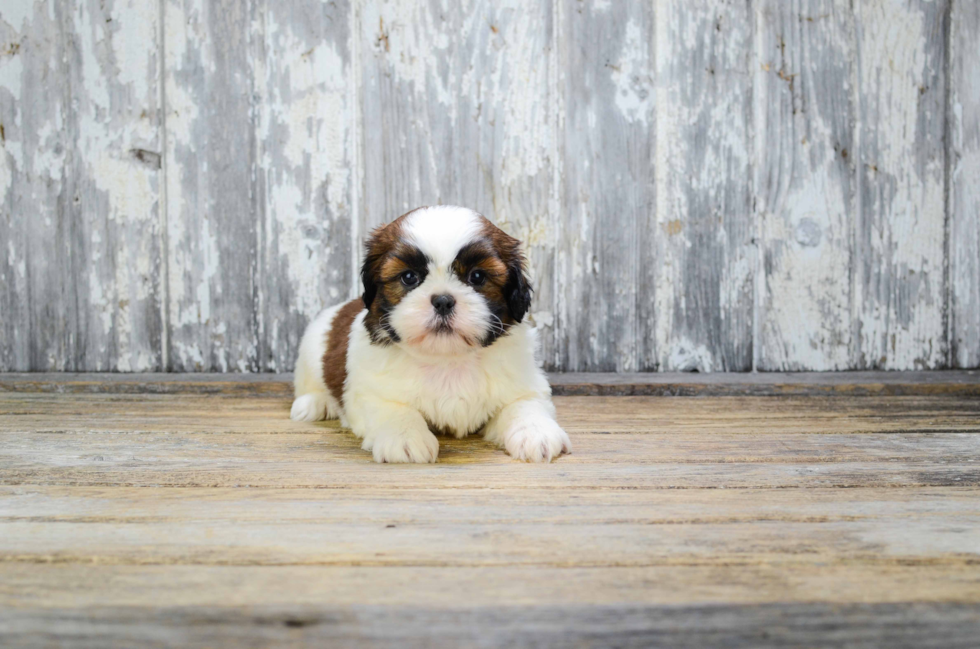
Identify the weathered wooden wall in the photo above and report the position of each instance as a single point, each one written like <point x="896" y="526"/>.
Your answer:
<point x="720" y="185"/>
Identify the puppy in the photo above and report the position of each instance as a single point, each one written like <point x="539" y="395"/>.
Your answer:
<point x="436" y="343"/>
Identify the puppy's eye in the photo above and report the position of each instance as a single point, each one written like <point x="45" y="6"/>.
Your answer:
<point x="410" y="278"/>
<point x="478" y="277"/>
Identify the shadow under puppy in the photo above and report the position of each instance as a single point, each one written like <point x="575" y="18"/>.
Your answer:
<point x="437" y="342"/>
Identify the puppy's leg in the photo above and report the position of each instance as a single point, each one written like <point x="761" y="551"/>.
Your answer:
<point x="393" y="432"/>
<point x="528" y="431"/>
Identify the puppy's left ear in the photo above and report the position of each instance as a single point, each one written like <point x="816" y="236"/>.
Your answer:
<point x="517" y="290"/>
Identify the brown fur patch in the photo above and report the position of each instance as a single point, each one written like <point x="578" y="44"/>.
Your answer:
<point x="508" y="286"/>
<point x="335" y="357"/>
<point x="386" y="257"/>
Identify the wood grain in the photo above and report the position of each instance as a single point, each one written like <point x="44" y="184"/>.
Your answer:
<point x="37" y="316"/>
<point x="185" y="183"/>
<point x="608" y="188"/>
<point x="209" y="519"/>
<point x="306" y="174"/>
<point x="805" y="182"/>
<point x="899" y="282"/>
<point x="213" y="208"/>
<point x="962" y="383"/>
<point x="81" y="188"/>
<point x="963" y="177"/>
<point x="491" y="607"/>
<point x="704" y="226"/>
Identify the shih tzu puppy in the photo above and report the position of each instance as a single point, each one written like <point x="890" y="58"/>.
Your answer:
<point x="437" y="343"/>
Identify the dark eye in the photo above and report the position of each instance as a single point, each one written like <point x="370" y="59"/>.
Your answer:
<point x="478" y="277"/>
<point x="410" y="278"/>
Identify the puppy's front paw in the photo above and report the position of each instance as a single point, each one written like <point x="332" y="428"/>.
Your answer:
<point x="309" y="407"/>
<point x="536" y="439"/>
<point x="419" y="446"/>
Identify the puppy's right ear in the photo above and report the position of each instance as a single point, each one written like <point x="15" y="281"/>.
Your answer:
<point x="375" y="248"/>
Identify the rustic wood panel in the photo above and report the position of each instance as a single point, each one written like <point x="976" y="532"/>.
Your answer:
<point x="876" y="383"/>
<point x="704" y="226"/>
<point x="184" y="183"/>
<point x="458" y="106"/>
<point x="81" y="149"/>
<point x="805" y="182"/>
<point x="37" y="319"/>
<point x="114" y="250"/>
<point x="209" y="520"/>
<point x="899" y="280"/>
<point x="129" y="526"/>
<point x="644" y="443"/>
<point x="213" y="208"/>
<point x="489" y="607"/>
<point x="964" y="179"/>
<point x="306" y="169"/>
<point x="608" y="185"/>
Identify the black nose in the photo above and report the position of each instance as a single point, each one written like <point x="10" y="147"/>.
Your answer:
<point x="444" y="304"/>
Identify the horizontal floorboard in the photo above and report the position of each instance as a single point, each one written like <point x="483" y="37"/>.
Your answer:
<point x="954" y="382"/>
<point x="281" y="527"/>
<point x="894" y="625"/>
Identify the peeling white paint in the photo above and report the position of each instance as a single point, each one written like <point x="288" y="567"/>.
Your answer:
<point x="903" y="195"/>
<point x="632" y="76"/>
<point x="470" y="107"/>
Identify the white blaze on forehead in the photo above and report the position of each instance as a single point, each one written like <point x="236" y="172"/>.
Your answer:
<point x="440" y="232"/>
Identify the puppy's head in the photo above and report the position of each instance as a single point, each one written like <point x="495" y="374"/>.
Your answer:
<point x="443" y="280"/>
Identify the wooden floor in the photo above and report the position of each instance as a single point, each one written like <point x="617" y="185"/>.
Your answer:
<point x="194" y="520"/>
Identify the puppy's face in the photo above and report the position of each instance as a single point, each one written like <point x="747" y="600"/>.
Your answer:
<point x="443" y="280"/>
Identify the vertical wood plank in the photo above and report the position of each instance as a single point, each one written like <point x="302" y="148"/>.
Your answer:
<point x="306" y="135"/>
<point x="114" y="134"/>
<point x="900" y="238"/>
<point x="212" y="204"/>
<point x="705" y="258"/>
<point x="805" y="182"/>
<point x="81" y="157"/>
<point x="458" y="107"/>
<point x="608" y="184"/>
<point x="964" y="184"/>
<point x="34" y="191"/>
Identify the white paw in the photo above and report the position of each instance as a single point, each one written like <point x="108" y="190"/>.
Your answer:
<point x="309" y="407"/>
<point x="409" y="446"/>
<point x="536" y="439"/>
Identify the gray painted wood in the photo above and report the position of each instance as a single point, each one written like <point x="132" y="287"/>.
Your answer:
<point x="213" y="208"/>
<point x="679" y="384"/>
<point x="805" y="180"/>
<point x="81" y="178"/>
<point x="113" y="218"/>
<point x="677" y="170"/>
<point x="703" y="224"/>
<point x="608" y="190"/>
<point x="34" y="319"/>
<point x="898" y="280"/>
<point x="964" y="180"/>
<point x="306" y="170"/>
<point x="899" y="625"/>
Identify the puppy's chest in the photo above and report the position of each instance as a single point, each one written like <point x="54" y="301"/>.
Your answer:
<point x="455" y="398"/>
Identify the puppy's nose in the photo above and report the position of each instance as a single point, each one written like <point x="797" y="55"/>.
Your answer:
<point x="444" y="304"/>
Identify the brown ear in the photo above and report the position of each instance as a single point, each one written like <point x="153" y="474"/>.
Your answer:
<point x="375" y="249"/>
<point x="517" y="290"/>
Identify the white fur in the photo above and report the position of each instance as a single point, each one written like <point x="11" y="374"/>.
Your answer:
<point x="393" y="393"/>
<point x="313" y="401"/>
